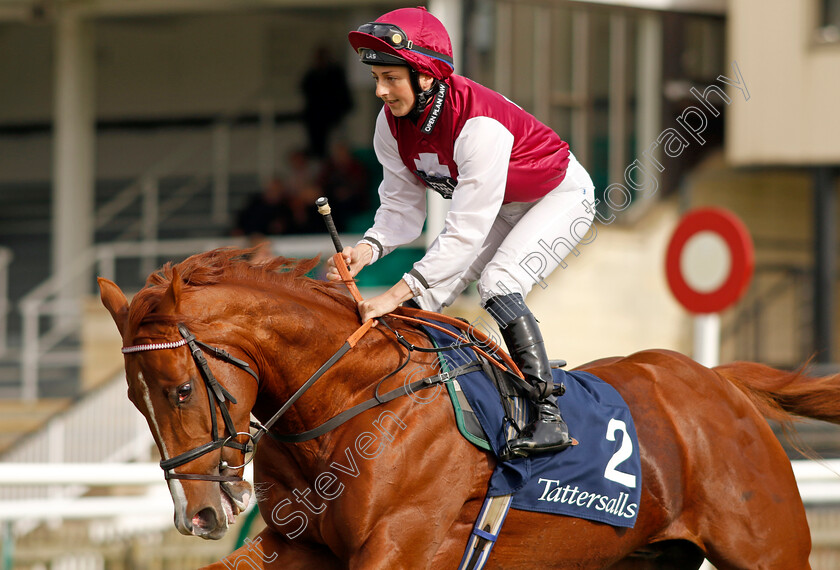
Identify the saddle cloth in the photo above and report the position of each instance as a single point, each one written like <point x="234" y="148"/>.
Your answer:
<point x="599" y="479"/>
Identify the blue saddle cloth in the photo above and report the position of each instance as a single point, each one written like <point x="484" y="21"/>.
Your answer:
<point x="599" y="479"/>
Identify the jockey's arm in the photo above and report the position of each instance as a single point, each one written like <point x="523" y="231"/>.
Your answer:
<point x="402" y="198"/>
<point x="475" y="203"/>
<point x="386" y="302"/>
<point x="482" y="152"/>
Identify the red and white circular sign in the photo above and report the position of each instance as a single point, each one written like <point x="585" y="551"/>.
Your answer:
<point x="710" y="260"/>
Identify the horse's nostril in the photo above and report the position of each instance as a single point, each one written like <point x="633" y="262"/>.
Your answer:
<point x="206" y="520"/>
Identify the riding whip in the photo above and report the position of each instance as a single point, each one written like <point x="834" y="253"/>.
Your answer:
<point x="324" y="209"/>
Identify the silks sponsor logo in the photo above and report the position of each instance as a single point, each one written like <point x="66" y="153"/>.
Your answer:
<point x="616" y="506"/>
<point x="435" y="175"/>
<point x="437" y="107"/>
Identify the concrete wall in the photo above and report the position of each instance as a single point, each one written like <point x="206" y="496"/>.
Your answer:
<point x="793" y="115"/>
<point x="612" y="299"/>
<point x="776" y="205"/>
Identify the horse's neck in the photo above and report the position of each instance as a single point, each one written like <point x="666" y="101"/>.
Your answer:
<point x="306" y="336"/>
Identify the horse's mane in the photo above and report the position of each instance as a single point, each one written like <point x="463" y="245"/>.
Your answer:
<point x="231" y="266"/>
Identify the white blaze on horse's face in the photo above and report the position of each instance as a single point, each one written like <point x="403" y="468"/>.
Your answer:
<point x="203" y="508"/>
<point x="175" y="488"/>
<point x="208" y="492"/>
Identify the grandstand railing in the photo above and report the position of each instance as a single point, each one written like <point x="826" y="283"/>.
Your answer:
<point x="214" y="152"/>
<point x="156" y="500"/>
<point x="782" y="292"/>
<point x="41" y="337"/>
<point x="103" y="426"/>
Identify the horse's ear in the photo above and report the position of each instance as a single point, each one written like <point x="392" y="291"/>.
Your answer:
<point x="114" y="300"/>
<point x="172" y="296"/>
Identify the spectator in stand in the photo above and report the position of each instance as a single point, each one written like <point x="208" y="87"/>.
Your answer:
<point x="302" y="189"/>
<point x="262" y="216"/>
<point x="344" y="180"/>
<point x="327" y="100"/>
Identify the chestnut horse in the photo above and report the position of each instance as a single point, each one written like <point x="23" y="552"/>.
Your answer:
<point x="716" y="482"/>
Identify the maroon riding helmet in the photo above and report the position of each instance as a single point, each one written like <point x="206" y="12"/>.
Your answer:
<point x="408" y="36"/>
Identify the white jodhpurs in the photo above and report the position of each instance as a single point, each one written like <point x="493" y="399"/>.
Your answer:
<point x="527" y="241"/>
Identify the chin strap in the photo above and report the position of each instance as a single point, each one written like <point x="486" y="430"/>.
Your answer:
<point x="422" y="98"/>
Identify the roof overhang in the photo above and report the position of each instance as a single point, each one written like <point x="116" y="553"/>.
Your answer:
<point x="714" y="7"/>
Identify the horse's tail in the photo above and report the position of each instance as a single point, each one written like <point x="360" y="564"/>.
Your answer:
<point x="780" y="395"/>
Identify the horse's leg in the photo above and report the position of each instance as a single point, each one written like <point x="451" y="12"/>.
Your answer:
<point x="723" y="476"/>
<point x="770" y="543"/>
<point x="269" y="551"/>
<point x="752" y="515"/>
<point x="415" y="538"/>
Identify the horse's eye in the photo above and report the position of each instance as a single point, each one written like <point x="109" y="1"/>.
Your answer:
<point x="184" y="391"/>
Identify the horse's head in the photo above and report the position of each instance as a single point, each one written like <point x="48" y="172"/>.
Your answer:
<point x="195" y="406"/>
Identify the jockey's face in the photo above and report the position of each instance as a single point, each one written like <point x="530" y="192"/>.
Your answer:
<point x="393" y="86"/>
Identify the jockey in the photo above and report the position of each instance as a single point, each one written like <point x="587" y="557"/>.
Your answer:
<point x="517" y="197"/>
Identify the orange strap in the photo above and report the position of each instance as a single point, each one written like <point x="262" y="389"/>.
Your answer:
<point x="408" y="314"/>
<point x="482" y="338"/>
<point x="338" y="259"/>
<point x="360" y="332"/>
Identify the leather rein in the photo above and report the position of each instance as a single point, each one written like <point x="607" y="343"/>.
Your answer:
<point x="217" y="395"/>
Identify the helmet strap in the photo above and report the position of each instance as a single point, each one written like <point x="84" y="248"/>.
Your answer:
<point x="421" y="98"/>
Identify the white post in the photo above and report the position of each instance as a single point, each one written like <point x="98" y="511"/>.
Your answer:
<point x="29" y="356"/>
<point x="617" y="160"/>
<point x="450" y="13"/>
<point x="649" y="106"/>
<point x="581" y="86"/>
<point x="707" y="339"/>
<point x="74" y="141"/>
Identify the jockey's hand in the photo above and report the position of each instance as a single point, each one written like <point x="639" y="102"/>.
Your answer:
<point x="355" y="257"/>
<point x="386" y="302"/>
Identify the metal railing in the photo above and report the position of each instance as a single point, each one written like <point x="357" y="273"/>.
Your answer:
<point x="41" y="345"/>
<point x="780" y="293"/>
<point x="101" y="427"/>
<point x="216" y="155"/>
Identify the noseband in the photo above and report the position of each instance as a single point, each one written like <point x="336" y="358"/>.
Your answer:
<point x="217" y="395"/>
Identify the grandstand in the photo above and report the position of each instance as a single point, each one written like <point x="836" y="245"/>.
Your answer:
<point x="194" y="106"/>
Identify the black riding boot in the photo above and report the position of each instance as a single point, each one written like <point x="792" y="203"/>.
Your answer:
<point x="548" y="432"/>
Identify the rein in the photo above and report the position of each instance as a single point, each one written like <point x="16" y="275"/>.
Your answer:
<point x="217" y="395"/>
<point x="410" y="315"/>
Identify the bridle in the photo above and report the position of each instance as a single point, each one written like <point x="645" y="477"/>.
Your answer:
<point x="217" y="395"/>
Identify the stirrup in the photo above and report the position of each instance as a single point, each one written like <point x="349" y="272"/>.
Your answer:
<point x="548" y="432"/>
